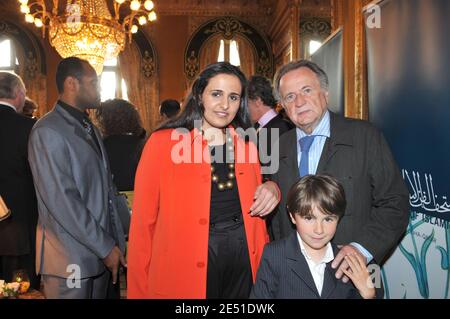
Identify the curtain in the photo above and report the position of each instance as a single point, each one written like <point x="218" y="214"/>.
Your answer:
<point x="142" y="91"/>
<point x="246" y="55"/>
<point x="35" y="82"/>
<point x="209" y="52"/>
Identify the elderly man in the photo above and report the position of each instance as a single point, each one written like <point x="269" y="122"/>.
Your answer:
<point x="354" y="152"/>
<point x="18" y="232"/>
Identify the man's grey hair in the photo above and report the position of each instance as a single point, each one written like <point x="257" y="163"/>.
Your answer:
<point x="291" y="66"/>
<point x="8" y="85"/>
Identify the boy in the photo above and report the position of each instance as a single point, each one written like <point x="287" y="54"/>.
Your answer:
<point x="299" y="266"/>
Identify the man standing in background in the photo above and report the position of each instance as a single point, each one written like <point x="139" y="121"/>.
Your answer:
<point x="80" y="240"/>
<point x="268" y="123"/>
<point x="17" y="232"/>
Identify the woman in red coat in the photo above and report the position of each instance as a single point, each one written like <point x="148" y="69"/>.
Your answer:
<point x="197" y="229"/>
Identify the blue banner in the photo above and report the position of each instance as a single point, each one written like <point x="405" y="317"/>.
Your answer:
<point x="330" y="58"/>
<point x="409" y="100"/>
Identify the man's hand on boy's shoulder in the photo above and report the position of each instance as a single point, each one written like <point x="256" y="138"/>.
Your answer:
<point x="340" y="263"/>
<point x="360" y="276"/>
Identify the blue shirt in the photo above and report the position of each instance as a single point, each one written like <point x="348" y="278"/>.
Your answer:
<point x="322" y="131"/>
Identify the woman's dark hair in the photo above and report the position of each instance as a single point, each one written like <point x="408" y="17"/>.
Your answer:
<point x="322" y="191"/>
<point x="118" y="117"/>
<point x="194" y="109"/>
<point x="29" y="107"/>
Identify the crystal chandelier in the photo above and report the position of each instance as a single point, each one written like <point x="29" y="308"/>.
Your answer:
<point x="86" y="28"/>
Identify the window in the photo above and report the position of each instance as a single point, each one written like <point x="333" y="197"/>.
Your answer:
<point x="8" y="59"/>
<point x="314" y="46"/>
<point x="112" y="85"/>
<point x="229" y="52"/>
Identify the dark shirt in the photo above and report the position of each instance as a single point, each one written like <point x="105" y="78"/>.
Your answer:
<point x="124" y="152"/>
<point x="82" y="117"/>
<point x="225" y="205"/>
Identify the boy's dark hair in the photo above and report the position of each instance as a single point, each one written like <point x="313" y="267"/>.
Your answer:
<point x="322" y="191"/>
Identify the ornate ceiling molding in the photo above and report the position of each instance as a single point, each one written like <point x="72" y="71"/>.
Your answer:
<point x="216" y="7"/>
<point x="315" y="27"/>
<point x="33" y="52"/>
<point x="148" y="54"/>
<point x="228" y="27"/>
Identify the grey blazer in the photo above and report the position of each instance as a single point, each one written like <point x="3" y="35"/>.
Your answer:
<point x="78" y="219"/>
<point x="377" y="199"/>
<point x="284" y="274"/>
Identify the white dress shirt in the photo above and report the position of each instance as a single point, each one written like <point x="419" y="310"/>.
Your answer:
<point x="317" y="269"/>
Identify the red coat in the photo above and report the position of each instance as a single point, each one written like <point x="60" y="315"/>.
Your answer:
<point x="168" y="244"/>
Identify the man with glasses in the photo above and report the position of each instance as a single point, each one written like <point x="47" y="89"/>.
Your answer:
<point x="354" y="152"/>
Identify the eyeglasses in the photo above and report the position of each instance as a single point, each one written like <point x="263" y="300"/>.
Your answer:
<point x="291" y="97"/>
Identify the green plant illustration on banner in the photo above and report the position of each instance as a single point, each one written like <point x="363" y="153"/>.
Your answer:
<point x="445" y="260"/>
<point x="418" y="262"/>
<point x="385" y="283"/>
<point x="383" y="272"/>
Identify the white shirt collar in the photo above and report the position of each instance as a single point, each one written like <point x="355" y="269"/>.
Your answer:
<point x="317" y="270"/>
<point x="8" y="104"/>
<point x="267" y="117"/>
<point x="322" y="129"/>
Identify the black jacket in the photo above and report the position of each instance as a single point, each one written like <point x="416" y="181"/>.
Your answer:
<point x="266" y="134"/>
<point x="18" y="232"/>
<point x="124" y="152"/>
<point x="377" y="198"/>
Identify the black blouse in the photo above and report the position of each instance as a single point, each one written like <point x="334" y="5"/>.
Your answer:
<point x="224" y="204"/>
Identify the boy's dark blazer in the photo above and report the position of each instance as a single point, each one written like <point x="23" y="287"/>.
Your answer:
<point x="284" y="274"/>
